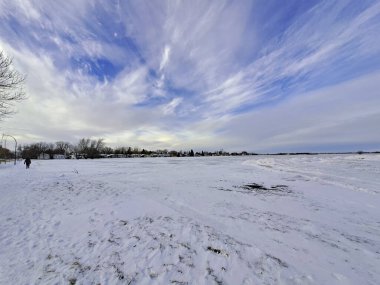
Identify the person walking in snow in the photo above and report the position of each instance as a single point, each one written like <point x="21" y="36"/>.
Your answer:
<point x="27" y="162"/>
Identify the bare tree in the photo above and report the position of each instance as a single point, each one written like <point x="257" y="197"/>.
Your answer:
<point x="11" y="86"/>
<point x="84" y="145"/>
<point x="62" y="147"/>
<point x="100" y="144"/>
<point x="107" y="150"/>
<point x="43" y="148"/>
<point x="91" y="148"/>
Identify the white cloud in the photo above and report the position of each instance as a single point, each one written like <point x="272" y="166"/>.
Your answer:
<point x="343" y="115"/>
<point x="169" y="108"/>
<point x="165" y="57"/>
<point x="308" y="46"/>
<point x="62" y="105"/>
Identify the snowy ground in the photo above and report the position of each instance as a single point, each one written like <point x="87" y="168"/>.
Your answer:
<point x="224" y="220"/>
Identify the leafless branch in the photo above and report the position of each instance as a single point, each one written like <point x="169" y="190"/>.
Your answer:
<point x="11" y="86"/>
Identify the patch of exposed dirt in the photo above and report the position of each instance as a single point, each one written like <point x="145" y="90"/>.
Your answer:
<point x="259" y="189"/>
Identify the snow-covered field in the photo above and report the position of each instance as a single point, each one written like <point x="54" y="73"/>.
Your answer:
<point x="220" y="220"/>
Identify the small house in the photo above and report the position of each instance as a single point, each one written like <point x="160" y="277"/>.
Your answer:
<point x="59" y="156"/>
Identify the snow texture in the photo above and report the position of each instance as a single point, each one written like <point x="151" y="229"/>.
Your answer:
<point x="218" y="220"/>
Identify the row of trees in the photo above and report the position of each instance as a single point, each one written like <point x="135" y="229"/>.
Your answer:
<point x="96" y="148"/>
<point x="90" y="148"/>
<point x="86" y="148"/>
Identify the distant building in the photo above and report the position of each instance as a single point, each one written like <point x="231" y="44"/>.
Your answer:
<point x="59" y="156"/>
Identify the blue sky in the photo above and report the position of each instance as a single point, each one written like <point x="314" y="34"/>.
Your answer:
<point x="261" y="76"/>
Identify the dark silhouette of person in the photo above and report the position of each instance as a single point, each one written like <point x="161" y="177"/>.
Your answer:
<point x="27" y="162"/>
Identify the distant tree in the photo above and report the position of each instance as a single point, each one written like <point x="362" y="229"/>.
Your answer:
<point x="191" y="153"/>
<point x="83" y="145"/>
<point x="62" y="147"/>
<point x="42" y="148"/>
<point x="11" y="86"/>
<point x="50" y="150"/>
<point x="108" y="150"/>
<point x="121" y="150"/>
<point x="162" y="151"/>
<point x="31" y="151"/>
<point x="5" y="153"/>
<point x="90" y="148"/>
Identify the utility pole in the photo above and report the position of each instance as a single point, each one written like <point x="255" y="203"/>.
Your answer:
<point x="4" y="135"/>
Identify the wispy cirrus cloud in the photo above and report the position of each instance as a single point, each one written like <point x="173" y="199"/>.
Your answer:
<point x="321" y="120"/>
<point x="309" y="55"/>
<point x="188" y="69"/>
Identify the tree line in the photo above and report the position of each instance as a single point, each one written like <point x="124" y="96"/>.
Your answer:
<point x="85" y="148"/>
<point x="91" y="148"/>
<point x="97" y="148"/>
